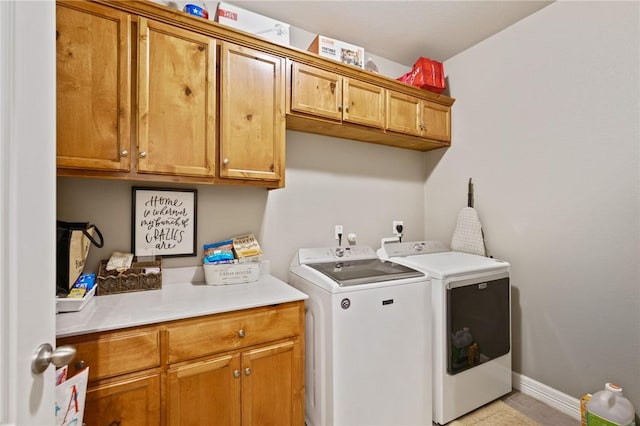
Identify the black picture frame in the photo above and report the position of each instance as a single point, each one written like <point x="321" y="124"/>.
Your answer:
<point x="163" y="221"/>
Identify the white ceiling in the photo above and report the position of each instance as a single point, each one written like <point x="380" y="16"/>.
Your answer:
<point x="400" y="30"/>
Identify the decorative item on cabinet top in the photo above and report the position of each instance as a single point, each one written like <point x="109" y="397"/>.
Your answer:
<point x="245" y="20"/>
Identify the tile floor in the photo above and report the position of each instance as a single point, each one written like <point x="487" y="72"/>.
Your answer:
<point x="538" y="411"/>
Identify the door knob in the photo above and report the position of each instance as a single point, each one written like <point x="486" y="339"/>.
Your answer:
<point x="45" y="355"/>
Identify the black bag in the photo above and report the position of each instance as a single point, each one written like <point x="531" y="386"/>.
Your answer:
<point x="73" y="242"/>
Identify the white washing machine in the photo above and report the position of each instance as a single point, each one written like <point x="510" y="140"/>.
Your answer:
<point x="471" y="302"/>
<point x="367" y="338"/>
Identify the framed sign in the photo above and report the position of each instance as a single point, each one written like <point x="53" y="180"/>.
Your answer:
<point x="163" y="222"/>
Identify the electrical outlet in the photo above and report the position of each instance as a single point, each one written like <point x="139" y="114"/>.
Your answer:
<point x="397" y="223"/>
<point x="338" y="231"/>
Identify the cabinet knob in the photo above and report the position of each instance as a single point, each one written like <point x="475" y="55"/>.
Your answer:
<point x="240" y="333"/>
<point x="346" y="109"/>
<point x="143" y="154"/>
<point x="247" y="371"/>
<point x="236" y="373"/>
<point x="340" y="108"/>
<point x="80" y="365"/>
<point x="124" y="153"/>
<point x="225" y="161"/>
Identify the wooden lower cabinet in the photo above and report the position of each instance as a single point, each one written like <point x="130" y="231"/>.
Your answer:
<point x="205" y="392"/>
<point x="271" y="391"/>
<point x="134" y="401"/>
<point x="260" y="386"/>
<point x="236" y="368"/>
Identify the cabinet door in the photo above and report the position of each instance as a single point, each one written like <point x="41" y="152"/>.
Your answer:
<point x="93" y="70"/>
<point x="252" y="116"/>
<point x="316" y="92"/>
<point x="403" y="113"/>
<point x="363" y="103"/>
<point x="437" y="121"/>
<point x="205" y="392"/>
<point x="133" y="401"/>
<point x="176" y="89"/>
<point x="273" y="385"/>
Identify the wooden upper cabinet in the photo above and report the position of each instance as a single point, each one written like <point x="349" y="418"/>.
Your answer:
<point x="403" y="113"/>
<point x="176" y="104"/>
<point x="363" y="103"/>
<point x="93" y="115"/>
<point x="252" y="114"/>
<point x="315" y="91"/>
<point x="437" y="121"/>
<point x="329" y="95"/>
<point x="410" y="115"/>
<point x="147" y="93"/>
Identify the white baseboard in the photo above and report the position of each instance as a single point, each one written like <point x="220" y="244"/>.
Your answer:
<point x="554" y="398"/>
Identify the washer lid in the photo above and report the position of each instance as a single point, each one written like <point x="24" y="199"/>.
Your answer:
<point x="452" y="263"/>
<point x="366" y="271"/>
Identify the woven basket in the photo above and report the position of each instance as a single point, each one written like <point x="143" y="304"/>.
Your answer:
<point x="133" y="279"/>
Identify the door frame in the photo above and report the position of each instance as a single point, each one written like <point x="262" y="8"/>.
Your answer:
<point x="27" y="207"/>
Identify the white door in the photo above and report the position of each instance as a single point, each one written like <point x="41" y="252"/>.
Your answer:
<point x="27" y="208"/>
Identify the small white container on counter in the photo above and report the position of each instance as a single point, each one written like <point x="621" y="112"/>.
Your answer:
<point x="232" y="273"/>
<point x="68" y="304"/>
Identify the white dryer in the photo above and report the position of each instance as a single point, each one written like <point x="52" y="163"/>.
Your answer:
<point x="367" y="336"/>
<point x="471" y="302"/>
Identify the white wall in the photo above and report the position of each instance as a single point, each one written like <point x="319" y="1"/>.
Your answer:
<point x="546" y="124"/>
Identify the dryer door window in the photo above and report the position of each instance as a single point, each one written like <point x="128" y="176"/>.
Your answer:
<point x="478" y="324"/>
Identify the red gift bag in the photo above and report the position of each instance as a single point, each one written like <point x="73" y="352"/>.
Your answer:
<point x="426" y="74"/>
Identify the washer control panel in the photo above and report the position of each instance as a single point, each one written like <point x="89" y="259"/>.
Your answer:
<point x="409" y="248"/>
<point x="329" y="254"/>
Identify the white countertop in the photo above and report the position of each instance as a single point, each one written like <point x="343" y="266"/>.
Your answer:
<point x="183" y="295"/>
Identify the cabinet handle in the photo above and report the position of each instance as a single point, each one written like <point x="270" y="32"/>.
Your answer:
<point x="240" y="333"/>
<point x="236" y="373"/>
<point x="124" y="153"/>
<point x="247" y="371"/>
<point x="225" y="161"/>
<point x="143" y="154"/>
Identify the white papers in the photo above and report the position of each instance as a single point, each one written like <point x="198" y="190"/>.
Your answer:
<point x="70" y="398"/>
